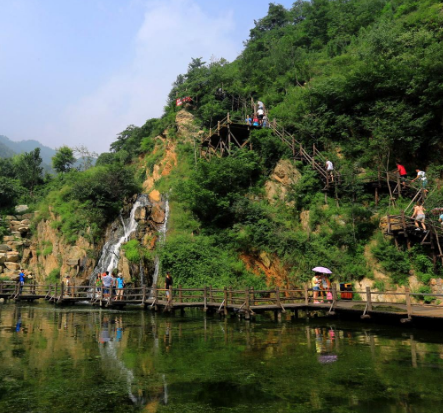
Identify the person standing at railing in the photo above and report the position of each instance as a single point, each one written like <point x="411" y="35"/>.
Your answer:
<point x="21" y="279"/>
<point x="120" y="287"/>
<point x="316" y="283"/>
<point x="107" y="284"/>
<point x="68" y="285"/>
<point x="168" y="283"/>
<point x="419" y="216"/>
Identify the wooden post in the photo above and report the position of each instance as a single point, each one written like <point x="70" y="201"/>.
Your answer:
<point x="306" y="294"/>
<point x="170" y="296"/>
<point x="230" y="295"/>
<point x="247" y="306"/>
<point x="252" y="295"/>
<point x="211" y="298"/>
<point x="180" y="294"/>
<point x="155" y="291"/>
<point x="334" y="294"/>
<point x="369" y="298"/>
<point x="205" y="298"/>
<point x="225" y="296"/>
<point x="62" y="290"/>
<point x="398" y="184"/>
<point x="408" y="302"/>
<point x="144" y="294"/>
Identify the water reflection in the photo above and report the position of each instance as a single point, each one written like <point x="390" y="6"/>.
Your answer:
<point x="141" y="361"/>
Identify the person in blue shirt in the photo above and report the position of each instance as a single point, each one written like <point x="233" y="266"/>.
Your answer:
<point x="120" y="287"/>
<point x="21" y="279"/>
<point x="440" y="219"/>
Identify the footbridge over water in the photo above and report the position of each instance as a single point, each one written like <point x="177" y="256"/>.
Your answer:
<point x="245" y="303"/>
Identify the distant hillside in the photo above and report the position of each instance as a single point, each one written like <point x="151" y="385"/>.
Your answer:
<point x="6" y="152"/>
<point x="25" y="146"/>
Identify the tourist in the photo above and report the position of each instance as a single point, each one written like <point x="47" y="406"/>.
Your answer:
<point x="260" y="115"/>
<point x="255" y="121"/>
<point x="68" y="285"/>
<point x="260" y="105"/>
<point x="114" y="285"/>
<point x="265" y="121"/>
<point x="419" y="216"/>
<point x="21" y="279"/>
<point x="326" y="287"/>
<point x="98" y="283"/>
<point x="316" y="281"/>
<point x="168" y="283"/>
<point x="120" y="287"/>
<point x="249" y="120"/>
<point x="440" y="219"/>
<point x="422" y="176"/>
<point x="107" y="284"/>
<point x="402" y="172"/>
<point x="330" y="169"/>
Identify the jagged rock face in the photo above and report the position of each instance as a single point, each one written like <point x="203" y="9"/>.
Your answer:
<point x="283" y="177"/>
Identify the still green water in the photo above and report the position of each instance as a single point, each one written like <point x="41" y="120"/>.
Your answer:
<point x="81" y="359"/>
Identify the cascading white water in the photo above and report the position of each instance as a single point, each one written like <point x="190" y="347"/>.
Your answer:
<point x="161" y="240"/>
<point x="111" y="250"/>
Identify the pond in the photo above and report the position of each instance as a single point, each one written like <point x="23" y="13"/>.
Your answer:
<point x="83" y="359"/>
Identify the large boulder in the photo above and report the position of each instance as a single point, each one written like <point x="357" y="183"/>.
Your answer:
<point x="12" y="266"/>
<point x="283" y="177"/>
<point x="12" y="256"/>
<point x="21" y="209"/>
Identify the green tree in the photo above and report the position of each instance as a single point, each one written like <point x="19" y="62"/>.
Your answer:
<point x="28" y="169"/>
<point x="63" y="160"/>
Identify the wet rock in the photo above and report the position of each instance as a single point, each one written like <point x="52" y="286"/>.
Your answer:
<point x="20" y="209"/>
<point x="157" y="215"/>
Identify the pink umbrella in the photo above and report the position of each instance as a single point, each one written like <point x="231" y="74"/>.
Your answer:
<point x="322" y="270"/>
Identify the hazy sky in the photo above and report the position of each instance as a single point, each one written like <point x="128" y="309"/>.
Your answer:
<point x="79" y="71"/>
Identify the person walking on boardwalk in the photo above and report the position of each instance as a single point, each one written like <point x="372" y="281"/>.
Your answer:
<point x="330" y="169"/>
<point x="419" y="216"/>
<point x="424" y="180"/>
<point x="21" y="279"/>
<point x="120" y="287"/>
<point x="168" y="283"/>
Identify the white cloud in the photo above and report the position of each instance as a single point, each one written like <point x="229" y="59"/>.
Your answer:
<point x="172" y="32"/>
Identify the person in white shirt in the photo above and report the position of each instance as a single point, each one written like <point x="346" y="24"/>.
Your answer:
<point x="422" y="176"/>
<point x="260" y="115"/>
<point x="330" y="169"/>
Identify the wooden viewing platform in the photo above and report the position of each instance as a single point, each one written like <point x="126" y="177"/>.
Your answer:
<point x="404" y="226"/>
<point x="245" y="303"/>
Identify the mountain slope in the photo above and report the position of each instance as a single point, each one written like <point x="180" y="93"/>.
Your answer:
<point x="26" y="146"/>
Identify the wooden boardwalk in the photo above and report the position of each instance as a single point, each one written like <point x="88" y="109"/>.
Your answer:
<point x="245" y="303"/>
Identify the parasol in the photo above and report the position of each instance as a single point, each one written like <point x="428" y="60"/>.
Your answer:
<point x="322" y="270"/>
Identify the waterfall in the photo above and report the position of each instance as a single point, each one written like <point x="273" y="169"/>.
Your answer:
<point x="111" y="250"/>
<point x="161" y="240"/>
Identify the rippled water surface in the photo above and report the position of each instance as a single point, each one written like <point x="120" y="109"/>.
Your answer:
<point x="81" y="359"/>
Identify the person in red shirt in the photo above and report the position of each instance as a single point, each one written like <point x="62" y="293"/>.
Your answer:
<point x="402" y="172"/>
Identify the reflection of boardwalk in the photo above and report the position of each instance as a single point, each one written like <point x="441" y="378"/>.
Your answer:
<point x="249" y="302"/>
